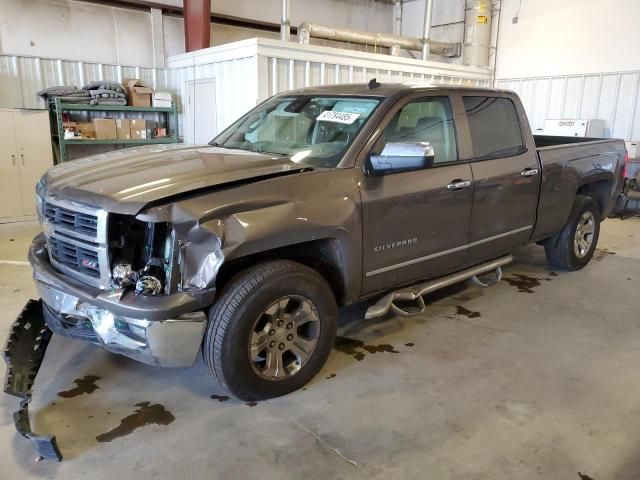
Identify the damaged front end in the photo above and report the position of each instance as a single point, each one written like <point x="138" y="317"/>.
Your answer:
<point x="23" y="353"/>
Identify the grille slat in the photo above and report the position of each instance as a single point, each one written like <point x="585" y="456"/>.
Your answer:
<point x="74" y="256"/>
<point x="73" y="241"/>
<point x="83" y="222"/>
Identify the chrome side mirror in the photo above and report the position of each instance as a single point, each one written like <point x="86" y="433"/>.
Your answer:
<point x="401" y="157"/>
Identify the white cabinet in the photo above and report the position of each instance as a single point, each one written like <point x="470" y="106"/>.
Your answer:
<point x="25" y="154"/>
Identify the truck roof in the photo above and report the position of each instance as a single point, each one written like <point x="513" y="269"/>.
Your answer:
<point x="383" y="90"/>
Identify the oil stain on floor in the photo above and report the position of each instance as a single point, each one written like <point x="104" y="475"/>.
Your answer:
<point x="86" y="384"/>
<point x="601" y="253"/>
<point x="146" y="414"/>
<point x="358" y="349"/>
<point x="460" y="310"/>
<point x="220" y="398"/>
<point x="524" y="283"/>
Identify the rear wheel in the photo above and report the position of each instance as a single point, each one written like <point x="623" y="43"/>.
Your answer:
<point x="271" y="330"/>
<point x="573" y="247"/>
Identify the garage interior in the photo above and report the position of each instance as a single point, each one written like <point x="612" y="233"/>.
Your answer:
<point x="531" y="378"/>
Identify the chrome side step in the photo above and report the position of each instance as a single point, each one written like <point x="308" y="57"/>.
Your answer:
<point x="415" y="292"/>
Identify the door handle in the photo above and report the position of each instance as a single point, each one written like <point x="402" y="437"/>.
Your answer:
<point x="529" y="172"/>
<point x="22" y="158"/>
<point x="458" y="184"/>
<point x="13" y="159"/>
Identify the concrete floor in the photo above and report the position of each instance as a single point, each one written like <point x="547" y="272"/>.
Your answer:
<point x="534" y="378"/>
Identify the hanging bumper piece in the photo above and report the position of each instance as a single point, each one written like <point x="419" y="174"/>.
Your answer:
<point x="415" y="292"/>
<point x="23" y="353"/>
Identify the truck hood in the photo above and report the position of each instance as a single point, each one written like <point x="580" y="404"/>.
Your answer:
<point x="125" y="181"/>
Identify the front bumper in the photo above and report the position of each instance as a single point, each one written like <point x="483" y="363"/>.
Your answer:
<point x="163" y="330"/>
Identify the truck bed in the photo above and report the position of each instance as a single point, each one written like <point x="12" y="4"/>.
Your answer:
<point x="543" y="141"/>
<point x="567" y="163"/>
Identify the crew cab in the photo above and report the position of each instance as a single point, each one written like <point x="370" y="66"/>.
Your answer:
<point x="245" y="249"/>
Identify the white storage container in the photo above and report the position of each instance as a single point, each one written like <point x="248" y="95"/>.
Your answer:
<point x="569" y="127"/>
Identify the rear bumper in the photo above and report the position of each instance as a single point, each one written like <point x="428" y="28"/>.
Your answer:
<point x="164" y="331"/>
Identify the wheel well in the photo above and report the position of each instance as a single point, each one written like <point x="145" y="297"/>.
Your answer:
<point x="323" y="256"/>
<point x="598" y="190"/>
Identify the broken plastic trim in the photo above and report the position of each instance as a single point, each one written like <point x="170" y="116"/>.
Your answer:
<point x="24" y="351"/>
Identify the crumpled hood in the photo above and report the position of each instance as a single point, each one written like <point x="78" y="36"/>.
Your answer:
<point x="125" y="181"/>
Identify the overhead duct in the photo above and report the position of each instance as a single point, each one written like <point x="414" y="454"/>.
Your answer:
<point x="309" y="30"/>
<point x="477" y="33"/>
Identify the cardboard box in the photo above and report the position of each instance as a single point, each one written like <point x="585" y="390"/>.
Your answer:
<point x="105" y="128"/>
<point x="162" y="100"/>
<point x="138" y="128"/>
<point x="123" y="128"/>
<point x="139" y="94"/>
<point x="85" y="129"/>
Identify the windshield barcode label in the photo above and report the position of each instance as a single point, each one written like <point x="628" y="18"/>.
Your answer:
<point x="338" y="117"/>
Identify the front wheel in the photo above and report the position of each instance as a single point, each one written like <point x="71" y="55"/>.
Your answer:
<point x="271" y="330"/>
<point x="573" y="247"/>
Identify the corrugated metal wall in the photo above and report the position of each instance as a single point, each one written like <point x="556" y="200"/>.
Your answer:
<point x="287" y="74"/>
<point x="240" y="82"/>
<point x="21" y="77"/>
<point x="612" y="97"/>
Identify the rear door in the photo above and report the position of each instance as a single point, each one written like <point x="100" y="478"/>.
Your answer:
<point x="506" y="175"/>
<point x="414" y="224"/>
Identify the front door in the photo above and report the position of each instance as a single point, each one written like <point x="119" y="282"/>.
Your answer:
<point x="416" y="224"/>
<point x="506" y="177"/>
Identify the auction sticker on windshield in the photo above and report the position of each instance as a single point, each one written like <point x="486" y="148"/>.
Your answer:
<point x="346" y="118"/>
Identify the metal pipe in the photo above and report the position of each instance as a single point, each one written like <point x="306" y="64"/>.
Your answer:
<point x="426" y="32"/>
<point x="382" y="306"/>
<point x="309" y="30"/>
<point x="477" y="33"/>
<point x="285" y="22"/>
<point x="397" y="17"/>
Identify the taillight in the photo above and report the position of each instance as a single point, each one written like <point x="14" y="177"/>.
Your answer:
<point x="626" y="163"/>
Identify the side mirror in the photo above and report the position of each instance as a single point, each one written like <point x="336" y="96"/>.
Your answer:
<point x="401" y="157"/>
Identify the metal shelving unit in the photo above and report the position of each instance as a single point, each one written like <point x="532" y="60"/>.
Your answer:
<point x="57" y="130"/>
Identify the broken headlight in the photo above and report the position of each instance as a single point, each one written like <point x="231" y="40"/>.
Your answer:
<point x="141" y="255"/>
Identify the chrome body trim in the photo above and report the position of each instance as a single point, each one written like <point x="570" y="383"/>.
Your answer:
<point x="445" y="252"/>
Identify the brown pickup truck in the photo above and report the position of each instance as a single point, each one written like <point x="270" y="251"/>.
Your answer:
<point x="318" y="198"/>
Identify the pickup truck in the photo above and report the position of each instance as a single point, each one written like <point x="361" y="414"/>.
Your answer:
<point x="317" y="198"/>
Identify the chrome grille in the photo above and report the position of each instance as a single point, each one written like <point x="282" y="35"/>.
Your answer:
<point x="77" y="240"/>
<point x="64" y="217"/>
<point x="80" y="258"/>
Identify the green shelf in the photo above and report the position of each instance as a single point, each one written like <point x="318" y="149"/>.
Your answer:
<point x="113" y="108"/>
<point x="60" y="145"/>
<point x="134" y="141"/>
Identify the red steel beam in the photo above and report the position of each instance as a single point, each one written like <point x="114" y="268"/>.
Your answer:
<point x="197" y="34"/>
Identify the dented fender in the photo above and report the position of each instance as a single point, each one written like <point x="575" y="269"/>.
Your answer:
<point x="222" y="226"/>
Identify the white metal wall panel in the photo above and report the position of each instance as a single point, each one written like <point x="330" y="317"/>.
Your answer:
<point x="612" y="97"/>
<point x="21" y="77"/>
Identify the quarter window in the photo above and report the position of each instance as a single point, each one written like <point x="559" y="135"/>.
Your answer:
<point x="425" y="120"/>
<point x="494" y="126"/>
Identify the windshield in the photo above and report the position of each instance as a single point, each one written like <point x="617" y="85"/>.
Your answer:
<point x="312" y="130"/>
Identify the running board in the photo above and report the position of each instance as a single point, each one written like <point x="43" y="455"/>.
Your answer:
<point x="415" y="292"/>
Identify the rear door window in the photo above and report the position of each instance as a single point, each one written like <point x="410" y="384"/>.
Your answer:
<point x="494" y="126"/>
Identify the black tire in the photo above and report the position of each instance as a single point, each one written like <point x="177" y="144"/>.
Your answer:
<point x="233" y="317"/>
<point x="560" y="249"/>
